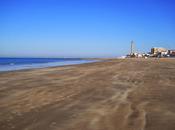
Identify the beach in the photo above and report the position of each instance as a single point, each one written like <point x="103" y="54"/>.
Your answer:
<point x="114" y="94"/>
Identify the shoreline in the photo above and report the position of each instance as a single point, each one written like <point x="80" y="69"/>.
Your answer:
<point x="55" y="64"/>
<point x="96" y="60"/>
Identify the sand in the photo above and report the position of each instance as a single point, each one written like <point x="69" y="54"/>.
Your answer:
<point x="118" y="94"/>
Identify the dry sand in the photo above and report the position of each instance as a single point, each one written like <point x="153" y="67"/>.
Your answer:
<point x="125" y="94"/>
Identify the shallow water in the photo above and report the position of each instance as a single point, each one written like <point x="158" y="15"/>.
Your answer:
<point x="11" y="64"/>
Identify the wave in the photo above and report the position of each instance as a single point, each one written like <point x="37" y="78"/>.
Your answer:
<point x="12" y="63"/>
<point x="13" y="66"/>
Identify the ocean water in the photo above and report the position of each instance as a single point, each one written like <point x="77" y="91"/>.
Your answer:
<point x="11" y="64"/>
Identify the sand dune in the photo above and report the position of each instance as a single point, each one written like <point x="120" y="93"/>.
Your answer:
<point x="118" y="94"/>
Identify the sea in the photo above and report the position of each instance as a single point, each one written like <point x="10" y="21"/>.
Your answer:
<point x="12" y="64"/>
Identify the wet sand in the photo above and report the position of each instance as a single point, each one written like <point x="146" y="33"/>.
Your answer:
<point x="119" y="94"/>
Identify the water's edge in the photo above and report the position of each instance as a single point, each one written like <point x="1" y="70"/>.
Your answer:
<point x="43" y="65"/>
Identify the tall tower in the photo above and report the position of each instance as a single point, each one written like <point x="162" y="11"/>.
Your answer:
<point x="132" y="47"/>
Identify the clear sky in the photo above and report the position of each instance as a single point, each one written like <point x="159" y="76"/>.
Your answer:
<point x="84" y="28"/>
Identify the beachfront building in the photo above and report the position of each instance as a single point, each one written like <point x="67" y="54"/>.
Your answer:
<point x="159" y="51"/>
<point x="171" y="53"/>
<point x="155" y="52"/>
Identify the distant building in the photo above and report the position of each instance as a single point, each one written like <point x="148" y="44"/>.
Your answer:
<point x="158" y="50"/>
<point x="171" y="53"/>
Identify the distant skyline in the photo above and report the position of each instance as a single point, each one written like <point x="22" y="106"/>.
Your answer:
<point x="84" y="28"/>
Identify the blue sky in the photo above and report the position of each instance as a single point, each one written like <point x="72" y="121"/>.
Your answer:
<point x="84" y="28"/>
